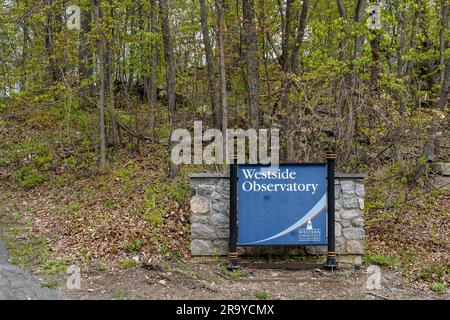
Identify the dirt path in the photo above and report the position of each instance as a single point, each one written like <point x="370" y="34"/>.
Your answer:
<point x="17" y="284"/>
<point x="211" y="281"/>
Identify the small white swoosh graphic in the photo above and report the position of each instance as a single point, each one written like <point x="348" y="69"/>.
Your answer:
<point x="314" y="211"/>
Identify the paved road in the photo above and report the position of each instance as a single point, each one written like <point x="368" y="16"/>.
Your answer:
<point x="17" y="284"/>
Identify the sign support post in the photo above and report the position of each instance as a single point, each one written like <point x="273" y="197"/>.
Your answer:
<point x="331" y="255"/>
<point x="232" y="246"/>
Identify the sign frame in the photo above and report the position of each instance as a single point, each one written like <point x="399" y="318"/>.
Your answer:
<point x="233" y="239"/>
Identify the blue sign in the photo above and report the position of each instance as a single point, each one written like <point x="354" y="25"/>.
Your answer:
<point x="283" y="206"/>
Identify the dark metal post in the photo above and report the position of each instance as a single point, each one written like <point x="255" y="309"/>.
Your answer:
<point x="232" y="246"/>
<point x="331" y="255"/>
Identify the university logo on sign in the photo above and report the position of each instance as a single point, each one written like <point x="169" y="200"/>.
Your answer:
<point x="283" y="207"/>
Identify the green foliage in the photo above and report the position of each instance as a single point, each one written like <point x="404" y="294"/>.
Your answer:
<point x="438" y="287"/>
<point x="126" y="175"/>
<point x="28" y="177"/>
<point x="164" y="248"/>
<point x="27" y="252"/>
<point x="56" y="266"/>
<point x="438" y="272"/>
<point x="216" y="256"/>
<point x="128" y="264"/>
<point x="134" y="245"/>
<point x="71" y="162"/>
<point x="101" y="267"/>
<point x="71" y="208"/>
<point x="262" y="295"/>
<point x="382" y="259"/>
<point x="233" y="274"/>
<point x="50" y="284"/>
<point x="120" y="295"/>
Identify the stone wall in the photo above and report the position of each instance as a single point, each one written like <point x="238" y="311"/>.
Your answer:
<point x="210" y="215"/>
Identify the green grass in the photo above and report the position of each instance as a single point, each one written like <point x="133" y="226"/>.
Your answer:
<point x="50" y="284"/>
<point x="262" y="295"/>
<point x="244" y="294"/>
<point x="56" y="266"/>
<point x="28" y="177"/>
<point x="134" y="245"/>
<point x="382" y="259"/>
<point x="234" y="274"/>
<point x="165" y="265"/>
<point x="101" y="267"/>
<point x="128" y="264"/>
<point x="120" y="295"/>
<point x="438" y="287"/>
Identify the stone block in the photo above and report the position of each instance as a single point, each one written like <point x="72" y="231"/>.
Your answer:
<point x="350" y="214"/>
<point x="223" y="186"/>
<point x="337" y="229"/>
<point x="337" y="192"/>
<point x="353" y="233"/>
<point x="361" y="203"/>
<point x="360" y="191"/>
<point x="348" y="186"/>
<point x="200" y="218"/>
<point x="205" y="190"/>
<point x="358" y="222"/>
<point x="219" y="220"/>
<point x="317" y="250"/>
<point x="346" y="223"/>
<point x="202" y="231"/>
<point x="220" y="206"/>
<point x="350" y="201"/>
<point x="201" y="247"/>
<point x="355" y="247"/>
<point x="220" y="196"/>
<point x="340" y="245"/>
<point x="338" y="204"/>
<point x="220" y="247"/>
<point x="200" y="205"/>
<point x="223" y="233"/>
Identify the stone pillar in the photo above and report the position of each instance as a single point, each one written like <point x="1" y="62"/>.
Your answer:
<point x="349" y="216"/>
<point x="210" y="215"/>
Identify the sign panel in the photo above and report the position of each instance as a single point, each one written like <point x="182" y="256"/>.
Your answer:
<point x="283" y="206"/>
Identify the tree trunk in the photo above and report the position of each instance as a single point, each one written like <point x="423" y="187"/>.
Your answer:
<point x="343" y="13"/>
<point x="170" y="71"/>
<point x="445" y="89"/>
<point x="114" y="127"/>
<point x="359" y="13"/>
<point x="342" y="10"/>
<point x="49" y="43"/>
<point x="222" y="71"/>
<point x="85" y="57"/>
<point x="26" y="39"/>
<point x="211" y="67"/>
<point x="288" y="77"/>
<point x="250" y="48"/>
<point x="375" y="66"/>
<point x="152" y="92"/>
<point x="285" y="36"/>
<point x="443" y="43"/>
<point x="101" y="102"/>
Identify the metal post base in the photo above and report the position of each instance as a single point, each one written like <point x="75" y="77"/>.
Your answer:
<point x="233" y="263"/>
<point x="331" y="263"/>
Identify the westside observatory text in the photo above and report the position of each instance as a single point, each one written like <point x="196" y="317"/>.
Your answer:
<point x="257" y="186"/>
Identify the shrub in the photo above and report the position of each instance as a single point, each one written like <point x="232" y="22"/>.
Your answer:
<point x="28" y="177"/>
<point x="134" y="245"/>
